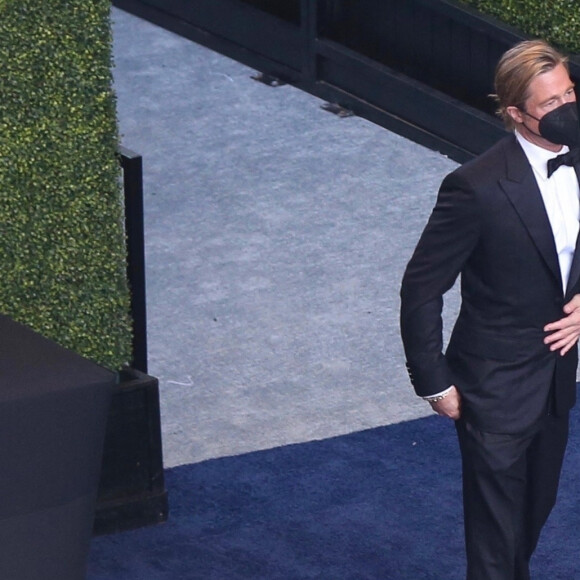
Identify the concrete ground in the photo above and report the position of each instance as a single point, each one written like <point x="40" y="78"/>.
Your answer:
<point x="276" y="237"/>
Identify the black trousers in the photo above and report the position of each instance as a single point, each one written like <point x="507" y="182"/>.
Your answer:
<point x="510" y="484"/>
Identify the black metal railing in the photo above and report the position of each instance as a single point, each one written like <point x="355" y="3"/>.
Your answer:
<point x="422" y="68"/>
<point x="132" y="166"/>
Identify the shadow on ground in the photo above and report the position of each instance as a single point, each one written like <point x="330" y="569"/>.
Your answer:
<point x="377" y="504"/>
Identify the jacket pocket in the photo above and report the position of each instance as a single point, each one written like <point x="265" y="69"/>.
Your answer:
<point x="495" y="346"/>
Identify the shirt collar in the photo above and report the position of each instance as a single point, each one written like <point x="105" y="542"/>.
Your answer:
<point x="538" y="156"/>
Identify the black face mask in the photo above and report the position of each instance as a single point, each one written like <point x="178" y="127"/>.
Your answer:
<point x="560" y="126"/>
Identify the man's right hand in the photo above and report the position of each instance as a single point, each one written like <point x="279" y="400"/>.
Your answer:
<point x="450" y="406"/>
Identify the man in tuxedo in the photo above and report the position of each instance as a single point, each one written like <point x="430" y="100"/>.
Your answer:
<point x="509" y="227"/>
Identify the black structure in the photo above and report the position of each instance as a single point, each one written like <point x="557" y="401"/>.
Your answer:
<point x="131" y="490"/>
<point x="421" y="68"/>
<point x="132" y="486"/>
<point x="132" y="166"/>
<point x="53" y="412"/>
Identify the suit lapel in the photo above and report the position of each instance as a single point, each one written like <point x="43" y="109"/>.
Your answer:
<point x="522" y="189"/>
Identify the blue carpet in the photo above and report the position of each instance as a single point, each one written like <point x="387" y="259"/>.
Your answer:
<point x="378" y="504"/>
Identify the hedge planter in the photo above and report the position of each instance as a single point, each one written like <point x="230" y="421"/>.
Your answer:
<point x="63" y="241"/>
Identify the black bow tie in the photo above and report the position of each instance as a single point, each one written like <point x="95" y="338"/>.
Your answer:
<point x="571" y="158"/>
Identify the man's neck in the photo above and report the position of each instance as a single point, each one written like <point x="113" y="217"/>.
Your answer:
<point x="537" y="140"/>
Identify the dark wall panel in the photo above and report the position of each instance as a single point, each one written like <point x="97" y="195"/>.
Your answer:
<point x="422" y="67"/>
<point x="234" y="21"/>
<point x="434" y="112"/>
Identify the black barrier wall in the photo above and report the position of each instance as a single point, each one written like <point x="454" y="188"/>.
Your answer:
<point x="422" y="68"/>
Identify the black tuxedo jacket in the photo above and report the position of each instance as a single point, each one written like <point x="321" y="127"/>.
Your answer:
<point x="490" y="225"/>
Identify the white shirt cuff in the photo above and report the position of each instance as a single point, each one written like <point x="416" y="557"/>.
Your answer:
<point x="441" y="394"/>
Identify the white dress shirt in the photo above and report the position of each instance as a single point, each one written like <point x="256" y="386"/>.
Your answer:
<point x="560" y="194"/>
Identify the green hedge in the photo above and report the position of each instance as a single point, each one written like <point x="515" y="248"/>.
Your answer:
<point x="61" y="234"/>
<point x="557" y="21"/>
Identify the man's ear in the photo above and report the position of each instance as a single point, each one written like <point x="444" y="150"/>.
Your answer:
<point x="516" y="114"/>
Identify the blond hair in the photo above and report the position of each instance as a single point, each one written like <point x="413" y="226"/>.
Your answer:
<point x="515" y="71"/>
